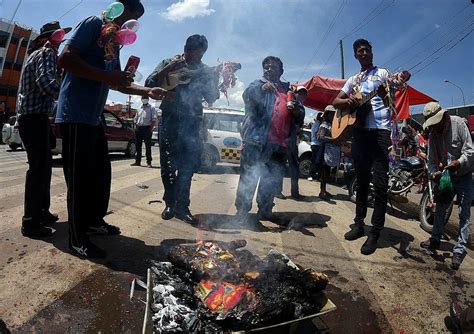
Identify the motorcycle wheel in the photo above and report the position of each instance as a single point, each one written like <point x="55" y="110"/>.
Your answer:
<point x="427" y="210"/>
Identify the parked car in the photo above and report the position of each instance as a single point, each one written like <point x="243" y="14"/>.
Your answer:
<point x="10" y="134"/>
<point x="304" y="153"/>
<point x="120" y="137"/>
<point x="223" y="142"/>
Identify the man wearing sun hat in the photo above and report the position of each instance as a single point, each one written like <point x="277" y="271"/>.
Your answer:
<point x="39" y="88"/>
<point x="450" y="148"/>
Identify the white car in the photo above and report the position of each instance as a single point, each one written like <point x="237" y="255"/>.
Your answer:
<point x="304" y="153"/>
<point x="10" y="134"/>
<point x="223" y="143"/>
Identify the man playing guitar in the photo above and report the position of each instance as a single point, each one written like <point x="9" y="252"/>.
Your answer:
<point x="370" y="144"/>
<point x="180" y="134"/>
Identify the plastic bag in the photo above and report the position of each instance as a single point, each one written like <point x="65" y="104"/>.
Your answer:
<point x="445" y="183"/>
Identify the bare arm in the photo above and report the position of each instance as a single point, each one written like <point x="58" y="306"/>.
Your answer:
<point x="70" y="59"/>
<point x="343" y="101"/>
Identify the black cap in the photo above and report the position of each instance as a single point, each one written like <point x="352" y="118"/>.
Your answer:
<point x="135" y="6"/>
<point x="50" y="27"/>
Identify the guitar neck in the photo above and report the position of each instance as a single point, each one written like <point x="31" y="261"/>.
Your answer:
<point x="368" y="97"/>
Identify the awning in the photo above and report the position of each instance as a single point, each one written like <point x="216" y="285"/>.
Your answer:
<point x="322" y="91"/>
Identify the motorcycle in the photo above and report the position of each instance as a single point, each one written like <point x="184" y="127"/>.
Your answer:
<point x="404" y="174"/>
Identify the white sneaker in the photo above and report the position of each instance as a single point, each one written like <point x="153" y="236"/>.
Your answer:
<point x="310" y="178"/>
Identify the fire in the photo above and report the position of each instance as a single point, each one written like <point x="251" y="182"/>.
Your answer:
<point x="224" y="296"/>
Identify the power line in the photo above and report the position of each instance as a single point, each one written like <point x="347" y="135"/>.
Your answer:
<point x="67" y="12"/>
<point x="425" y="36"/>
<point x="451" y="47"/>
<point x="323" y="39"/>
<point x="372" y="15"/>
<point x="444" y="45"/>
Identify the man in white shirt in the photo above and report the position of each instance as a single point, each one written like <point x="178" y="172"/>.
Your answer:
<point x="145" y="121"/>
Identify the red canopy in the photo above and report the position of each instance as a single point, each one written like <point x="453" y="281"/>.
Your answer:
<point x="322" y="91"/>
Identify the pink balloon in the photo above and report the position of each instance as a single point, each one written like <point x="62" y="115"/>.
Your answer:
<point x="125" y="37"/>
<point x="58" y="35"/>
<point x="132" y="25"/>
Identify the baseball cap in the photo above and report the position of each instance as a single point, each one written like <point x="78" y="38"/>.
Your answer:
<point x="433" y="114"/>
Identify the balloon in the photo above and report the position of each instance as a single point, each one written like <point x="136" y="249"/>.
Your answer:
<point x="57" y="36"/>
<point x="114" y="10"/>
<point x="132" y="25"/>
<point x="125" y="37"/>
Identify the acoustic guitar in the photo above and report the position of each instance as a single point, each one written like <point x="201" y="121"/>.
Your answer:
<point x="346" y="118"/>
<point x="184" y="75"/>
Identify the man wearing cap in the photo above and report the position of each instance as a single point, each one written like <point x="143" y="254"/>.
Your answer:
<point x="39" y="88"/>
<point x="450" y="149"/>
<point x="370" y="144"/>
<point x="181" y="123"/>
<point x="92" y="66"/>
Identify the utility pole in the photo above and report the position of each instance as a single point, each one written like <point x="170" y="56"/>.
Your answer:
<point x="342" y="58"/>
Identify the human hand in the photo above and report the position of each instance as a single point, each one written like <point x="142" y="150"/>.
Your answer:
<point x="157" y="93"/>
<point x="117" y="78"/>
<point x="435" y="176"/>
<point x="453" y="166"/>
<point x="352" y="101"/>
<point x="268" y="86"/>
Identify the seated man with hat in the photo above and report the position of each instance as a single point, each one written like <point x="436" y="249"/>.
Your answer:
<point x="450" y="150"/>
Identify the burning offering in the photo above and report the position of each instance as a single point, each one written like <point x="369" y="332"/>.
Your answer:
<point x="217" y="286"/>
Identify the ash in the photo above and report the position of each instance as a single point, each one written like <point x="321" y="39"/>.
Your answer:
<point x="212" y="287"/>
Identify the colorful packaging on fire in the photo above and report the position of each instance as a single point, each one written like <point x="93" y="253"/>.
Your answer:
<point x="217" y="286"/>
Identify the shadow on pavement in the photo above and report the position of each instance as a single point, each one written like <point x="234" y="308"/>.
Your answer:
<point x="220" y="170"/>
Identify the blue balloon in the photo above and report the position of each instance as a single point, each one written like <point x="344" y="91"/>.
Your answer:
<point x="114" y="10"/>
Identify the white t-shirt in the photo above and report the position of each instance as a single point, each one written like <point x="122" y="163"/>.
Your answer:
<point x="365" y="82"/>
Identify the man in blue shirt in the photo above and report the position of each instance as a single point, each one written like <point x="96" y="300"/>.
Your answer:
<point x="91" y="68"/>
<point x="370" y="145"/>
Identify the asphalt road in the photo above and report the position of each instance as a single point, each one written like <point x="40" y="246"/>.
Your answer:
<point x="45" y="289"/>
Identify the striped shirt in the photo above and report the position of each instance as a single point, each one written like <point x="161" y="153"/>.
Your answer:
<point x="366" y="82"/>
<point x="39" y="87"/>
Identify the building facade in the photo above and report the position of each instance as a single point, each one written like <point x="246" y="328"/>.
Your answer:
<point x="14" y="42"/>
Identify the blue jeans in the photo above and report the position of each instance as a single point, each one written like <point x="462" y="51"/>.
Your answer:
<point x="463" y="189"/>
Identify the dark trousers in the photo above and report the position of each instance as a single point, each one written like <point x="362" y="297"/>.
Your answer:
<point x="180" y="157"/>
<point x="293" y="166"/>
<point x="370" y="154"/>
<point x="35" y="134"/>
<point x="87" y="171"/>
<point x="264" y="165"/>
<point x="143" y="134"/>
<point x="317" y="156"/>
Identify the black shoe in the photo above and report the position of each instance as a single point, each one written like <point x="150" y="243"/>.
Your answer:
<point x="136" y="164"/>
<point x="167" y="213"/>
<point x="298" y="197"/>
<point x="264" y="215"/>
<point x="430" y="244"/>
<point x="355" y="233"/>
<point x="49" y="218"/>
<point x="280" y="196"/>
<point x="457" y="260"/>
<point x="186" y="216"/>
<point x="370" y="245"/>
<point x="88" y="249"/>
<point x="103" y="228"/>
<point x="324" y="196"/>
<point x="37" y="230"/>
<point x="149" y="165"/>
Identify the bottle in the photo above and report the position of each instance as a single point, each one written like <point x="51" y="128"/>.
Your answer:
<point x="290" y="99"/>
